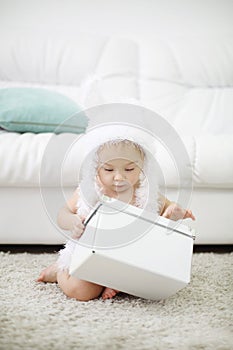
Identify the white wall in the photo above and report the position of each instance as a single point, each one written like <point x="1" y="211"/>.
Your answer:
<point x="135" y="19"/>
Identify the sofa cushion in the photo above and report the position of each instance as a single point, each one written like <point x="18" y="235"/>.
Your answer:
<point x="39" y="110"/>
<point x="21" y="157"/>
<point x="64" y="60"/>
<point x="187" y="81"/>
<point x="211" y="158"/>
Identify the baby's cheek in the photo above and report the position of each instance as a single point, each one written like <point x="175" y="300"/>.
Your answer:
<point x="133" y="179"/>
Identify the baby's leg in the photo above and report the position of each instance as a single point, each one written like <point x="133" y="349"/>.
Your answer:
<point x="76" y="288"/>
<point x="49" y="274"/>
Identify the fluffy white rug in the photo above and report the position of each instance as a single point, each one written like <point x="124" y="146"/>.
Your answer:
<point x="38" y="316"/>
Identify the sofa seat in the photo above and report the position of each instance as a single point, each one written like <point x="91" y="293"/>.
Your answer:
<point x="23" y="155"/>
<point x="23" y="191"/>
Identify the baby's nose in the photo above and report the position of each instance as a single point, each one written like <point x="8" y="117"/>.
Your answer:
<point x="118" y="176"/>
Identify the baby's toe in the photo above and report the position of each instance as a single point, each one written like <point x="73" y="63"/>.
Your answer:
<point x="106" y="293"/>
<point x="41" y="277"/>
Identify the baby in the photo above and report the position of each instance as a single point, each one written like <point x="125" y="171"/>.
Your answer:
<point x="120" y="171"/>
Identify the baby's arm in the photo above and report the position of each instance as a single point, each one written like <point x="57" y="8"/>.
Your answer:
<point x="68" y="219"/>
<point x="173" y="211"/>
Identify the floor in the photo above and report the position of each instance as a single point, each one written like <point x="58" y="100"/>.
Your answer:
<point x="37" y="249"/>
<point x="39" y="316"/>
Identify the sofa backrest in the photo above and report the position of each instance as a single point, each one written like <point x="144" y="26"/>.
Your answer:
<point x="189" y="81"/>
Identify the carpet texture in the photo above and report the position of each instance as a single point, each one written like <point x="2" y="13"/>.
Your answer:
<point x="39" y="316"/>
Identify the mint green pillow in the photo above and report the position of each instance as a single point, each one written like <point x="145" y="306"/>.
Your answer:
<point x="39" y="110"/>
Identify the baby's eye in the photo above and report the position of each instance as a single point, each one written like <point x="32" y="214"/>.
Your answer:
<point x="131" y="169"/>
<point x="108" y="169"/>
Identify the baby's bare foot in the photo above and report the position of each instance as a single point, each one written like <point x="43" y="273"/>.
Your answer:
<point x="109" y="293"/>
<point x="49" y="274"/>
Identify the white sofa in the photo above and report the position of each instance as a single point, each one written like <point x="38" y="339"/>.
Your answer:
<point x="188" y="82"/>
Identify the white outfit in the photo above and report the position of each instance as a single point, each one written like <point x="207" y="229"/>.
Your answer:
<point x="89" y="192"/>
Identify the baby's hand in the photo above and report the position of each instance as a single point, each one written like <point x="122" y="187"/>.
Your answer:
<point x="77" y="227"/>
<point x="175" y="212"/>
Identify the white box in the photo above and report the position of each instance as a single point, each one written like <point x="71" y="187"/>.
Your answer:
<point x="134" y="251"/>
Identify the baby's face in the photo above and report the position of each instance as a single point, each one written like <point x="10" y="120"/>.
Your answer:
<point x="119" y="168"/>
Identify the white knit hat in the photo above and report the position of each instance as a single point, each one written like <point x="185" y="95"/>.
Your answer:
<point x="89" y="191"/>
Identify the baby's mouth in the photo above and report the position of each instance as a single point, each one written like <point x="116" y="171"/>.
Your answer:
<point x="120" y="185"/>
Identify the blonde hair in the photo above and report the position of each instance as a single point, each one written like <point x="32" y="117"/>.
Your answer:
<point x="125" y="142"/>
